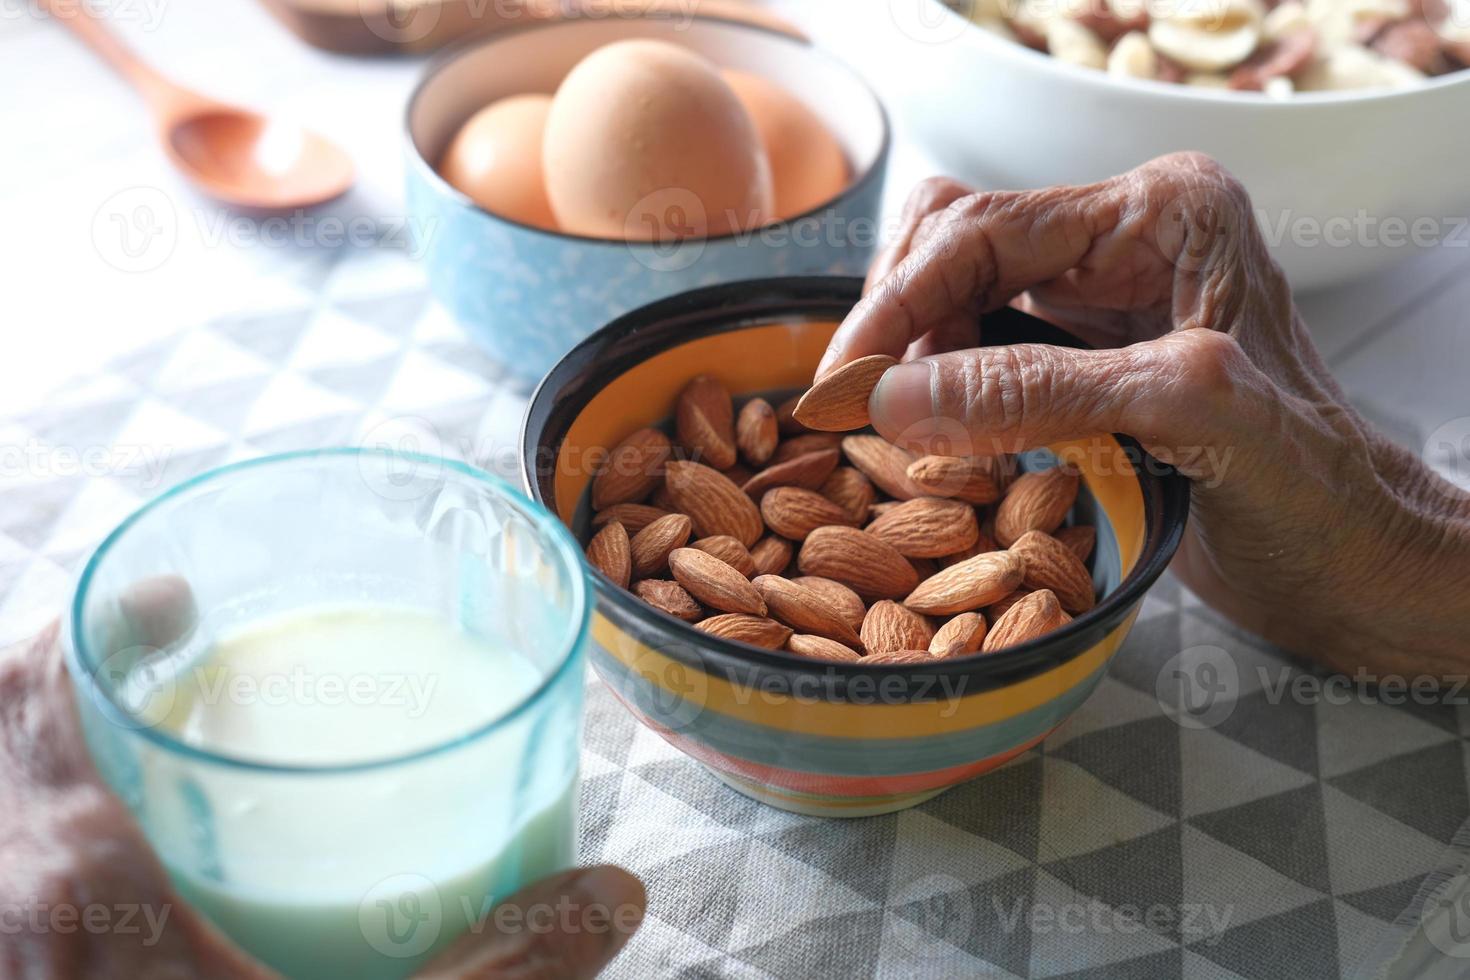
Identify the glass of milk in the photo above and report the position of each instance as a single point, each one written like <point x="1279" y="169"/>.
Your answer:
<point x="342" y="692"/>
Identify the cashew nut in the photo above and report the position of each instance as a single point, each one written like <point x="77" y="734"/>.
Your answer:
<point x="1133" y="57"/>
<point x="1069" y="41"/>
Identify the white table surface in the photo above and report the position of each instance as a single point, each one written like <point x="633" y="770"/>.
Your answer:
<point x="76" y="150"/>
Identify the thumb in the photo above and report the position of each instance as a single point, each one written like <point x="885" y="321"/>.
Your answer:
<point x="1176" y="395"/>
<point x="566" y="927"/>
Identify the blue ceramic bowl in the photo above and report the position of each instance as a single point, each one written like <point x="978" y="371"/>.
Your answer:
<point x="529" y="295"/>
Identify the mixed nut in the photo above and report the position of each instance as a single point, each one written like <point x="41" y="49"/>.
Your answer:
<point x="771" y="527"/>
<point x="1273" y="46"/>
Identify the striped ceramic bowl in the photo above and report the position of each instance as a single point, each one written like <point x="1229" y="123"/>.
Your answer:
<point x="830" y="739"/>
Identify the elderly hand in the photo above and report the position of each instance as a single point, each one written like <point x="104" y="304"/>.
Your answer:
<point x="68" y="845"/>
<point x="1307" y="526"/>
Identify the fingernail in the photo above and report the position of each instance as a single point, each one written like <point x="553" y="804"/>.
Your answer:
<point x="903" y="397"/>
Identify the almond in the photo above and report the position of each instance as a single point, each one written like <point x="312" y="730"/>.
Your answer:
<point x="868" y="565"/>
<point x="786" y="417"/>
<point x="1081" y="538"/>
<point x="850" y="490"/>
<point x="704" y="419"/>
<point x="839" y="401"/>
<point x="971" y="584"/>
<point x="1037" y="501"/>
<point x="755" y="630"/>
<point x="633" y="469"/>
<point x="714" y="583"/>
<point x="928" y="527"/>
<point x="811" y="442"/>
<point x="809" y="470"/>
<point x="845" y="602"/>
<point x="634" y="517"/>
<point x="650" y="547"/>
<point x="729" y="551"/>
<point x="608" y="552"/>
<point x="1034" y="615"/>
<point x="756" y="432"/>
<point x="899" y="657"/>
<point x="669" y="597"/>
<point x="803" y="610"/>
<point x="883" y="463"/>
<point x="771" y="555"/>
<point x="968" y="478"/>
<point x="889" y="626"/>
<point x="821" y="648"/>
<point x="959" y="637"/>
<point x="996" y="610"/>
<point x="713" y="503"/>
<point x="793" y="512"/>
<point x="1052" y="565"/>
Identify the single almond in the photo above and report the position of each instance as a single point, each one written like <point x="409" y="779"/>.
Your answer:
<point x="867" y="565"/>
<point x="803" y="610"/>
<point x="786" y="417"/>
<point x="634" y="517"/>
<point x="729" y="551"/>
<point x="897" y="657"/>
<point x="821" y="648"/>
<point x="971" y="584"/>
<point x="845" y="602"/>
<point x="889" y="626"/>
<point x="850" y="490"/>
<point x="704" y="419"/>
<point x="633" y="469"/>
<point x="968" y="478"/>
<point x="997" y="609"/>
<point x="884" y="463"/>
<point x="794" y="512"/>
<point x="609" y="553"/>
<point x="756" y="432"/>
<point x="1037" y="501"/>
<point x="1052" y="565"/>
<point x="755" y="630"/>
<point x="1035" y="615"/>
<point x="959" y="637"/>
<point x="669" y="597"/>
<point x="714" y="583"/>
<point x="650" y="547"/>
<point x="839" y="401"/>
<point x="1081" y="538"/>
<point x="809" y="471"/>
<point x="809" y="442"/>
<point x="928" y="527"/>
<point x="771" y="555"/>
<point x="713" y="503"/>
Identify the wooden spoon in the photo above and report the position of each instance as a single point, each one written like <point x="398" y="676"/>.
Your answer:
<point x="234" y="155"/>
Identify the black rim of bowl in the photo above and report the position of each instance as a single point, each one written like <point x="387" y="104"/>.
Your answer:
<point x="875" y="171"/>
<point x="659" y="326"/>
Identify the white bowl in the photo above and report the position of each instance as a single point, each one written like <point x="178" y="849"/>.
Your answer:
<point x="1338" y="179"/>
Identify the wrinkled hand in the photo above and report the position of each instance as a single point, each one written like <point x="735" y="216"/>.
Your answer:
<point x="1307" y="526"/>
<point x="67" y="843"/>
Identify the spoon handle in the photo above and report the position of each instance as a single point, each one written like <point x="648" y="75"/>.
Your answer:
<point x="78" y="17"/>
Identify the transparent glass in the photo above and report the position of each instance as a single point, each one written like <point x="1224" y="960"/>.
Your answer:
<point x="367" y="847"/>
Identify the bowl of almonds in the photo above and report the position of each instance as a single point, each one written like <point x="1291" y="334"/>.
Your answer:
<point x="830" y="623"/>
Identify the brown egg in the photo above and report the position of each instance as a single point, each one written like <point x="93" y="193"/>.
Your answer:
<point x="495" y="159"/>
<point x="646" y="141"/>
<point x="808" y="167"/>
